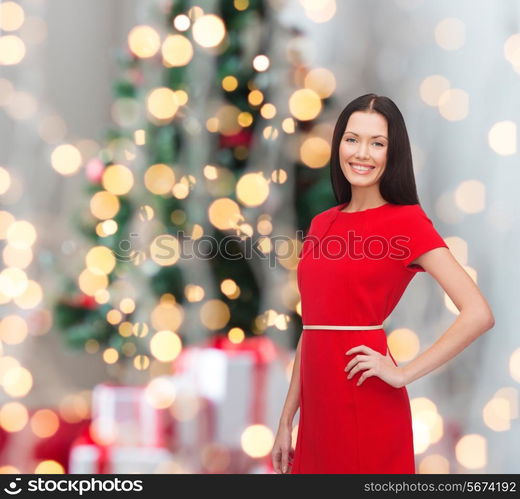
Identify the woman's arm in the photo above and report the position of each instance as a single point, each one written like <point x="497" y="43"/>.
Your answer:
<point x="282" y="453"/>
<point x="292" y="401"/>
<point x="474" y="319"/>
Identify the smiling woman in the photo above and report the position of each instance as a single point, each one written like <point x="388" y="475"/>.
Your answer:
<point x="355" y="414"/>
<point x="361" y="154"/>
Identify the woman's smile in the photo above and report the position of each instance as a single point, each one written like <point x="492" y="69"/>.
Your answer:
<point x="361" y="169"/>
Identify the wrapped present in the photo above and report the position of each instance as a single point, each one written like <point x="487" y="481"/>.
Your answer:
<point x="88" y="456"/>
<point x="192" y="416"/>
<point x="123" y="416"/>
<point x="246" y="384"/>
<point x="25" y="448"/>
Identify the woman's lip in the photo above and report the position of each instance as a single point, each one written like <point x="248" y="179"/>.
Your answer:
<point x="360" y="172"/>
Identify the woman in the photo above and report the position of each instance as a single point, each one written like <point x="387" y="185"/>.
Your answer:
<point x="356" y="262"/>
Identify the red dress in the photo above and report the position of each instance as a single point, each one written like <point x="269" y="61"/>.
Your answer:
<point x="356" y="278"/>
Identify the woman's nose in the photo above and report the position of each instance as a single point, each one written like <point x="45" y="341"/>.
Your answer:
<point x="362" y="151"/>
<point x="362" y="148"/>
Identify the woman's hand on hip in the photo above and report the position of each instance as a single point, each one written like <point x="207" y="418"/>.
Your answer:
<point x="373" y="363"/>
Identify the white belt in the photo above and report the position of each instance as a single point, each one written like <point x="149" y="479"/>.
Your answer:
<point x="350" y="328"/>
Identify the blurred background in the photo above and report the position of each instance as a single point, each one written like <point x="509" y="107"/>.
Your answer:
<point x="137" y="137"/>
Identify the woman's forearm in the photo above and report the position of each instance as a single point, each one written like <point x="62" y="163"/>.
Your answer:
<point x="466" y="328"/>
<point x="292" y="401"/>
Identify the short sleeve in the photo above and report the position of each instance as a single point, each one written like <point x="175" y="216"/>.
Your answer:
<point x="422" y="237"/>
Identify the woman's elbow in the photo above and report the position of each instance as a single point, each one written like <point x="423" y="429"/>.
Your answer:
<point x="491" y="319"/>
<point x="482" y="318"/>
<point x="488" y="320"/>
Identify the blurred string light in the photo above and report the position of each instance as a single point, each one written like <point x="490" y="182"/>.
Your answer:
<point x="209" y="30"/>
<point x="428" y="424"/>
<point x="501" y="409"/>
<point x="144" y="41"/>
<point x="24" y="295"/>
<point x="434" y="464"/>
<point x="404" y="344"/>
<point x="44" y="423"/>
<point x="471" y="451"/>
<point x="512" y="51"/>
<point x="450" y="33"/>
<point x="19" y="34"/>
<point x="176" y="50"/>
<point x="49" y="466"/>
<point x="19" y="237"/>
<point x="319" y="11"/>
<point x="257" y="440"/>
<point x="12" y="47"/>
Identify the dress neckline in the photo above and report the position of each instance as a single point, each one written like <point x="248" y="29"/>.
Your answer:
<point x="342" y="206"/>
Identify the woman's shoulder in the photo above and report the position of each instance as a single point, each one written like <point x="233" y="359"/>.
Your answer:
<point x="407" y="217"/>
<point x="320" y="219"/>
<point x="408" y="210"/>
<point x="407" y="207"/>
<point x="325" y="214"/>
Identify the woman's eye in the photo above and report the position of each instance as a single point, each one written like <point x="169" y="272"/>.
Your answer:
<point x="378" y="143"/>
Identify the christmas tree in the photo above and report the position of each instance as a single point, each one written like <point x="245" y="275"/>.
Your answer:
<point x="176" y="176"/>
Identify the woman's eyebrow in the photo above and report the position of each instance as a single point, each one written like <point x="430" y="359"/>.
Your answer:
<point x="354" y="133"/>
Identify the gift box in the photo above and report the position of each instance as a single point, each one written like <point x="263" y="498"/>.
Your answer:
<point x="242" y="384"/>
<point x="123" y="416"/>
<point x="25" y="450"/>
<point x="192" y="416"/>
<point x="87" y="456"/>
<point x="193" y="432"/>
<point x="119" y="460"/>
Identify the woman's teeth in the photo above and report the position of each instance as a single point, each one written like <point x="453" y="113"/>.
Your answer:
<point x="363" y="170"/>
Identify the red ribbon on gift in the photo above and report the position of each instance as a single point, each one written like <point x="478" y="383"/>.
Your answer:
<point x="103" y="461"/>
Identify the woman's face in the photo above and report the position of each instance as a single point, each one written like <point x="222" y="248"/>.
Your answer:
<point x="365" y="142"/>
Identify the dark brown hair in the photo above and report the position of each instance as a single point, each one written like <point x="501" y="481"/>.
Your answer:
<point x="397" y="183"/>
